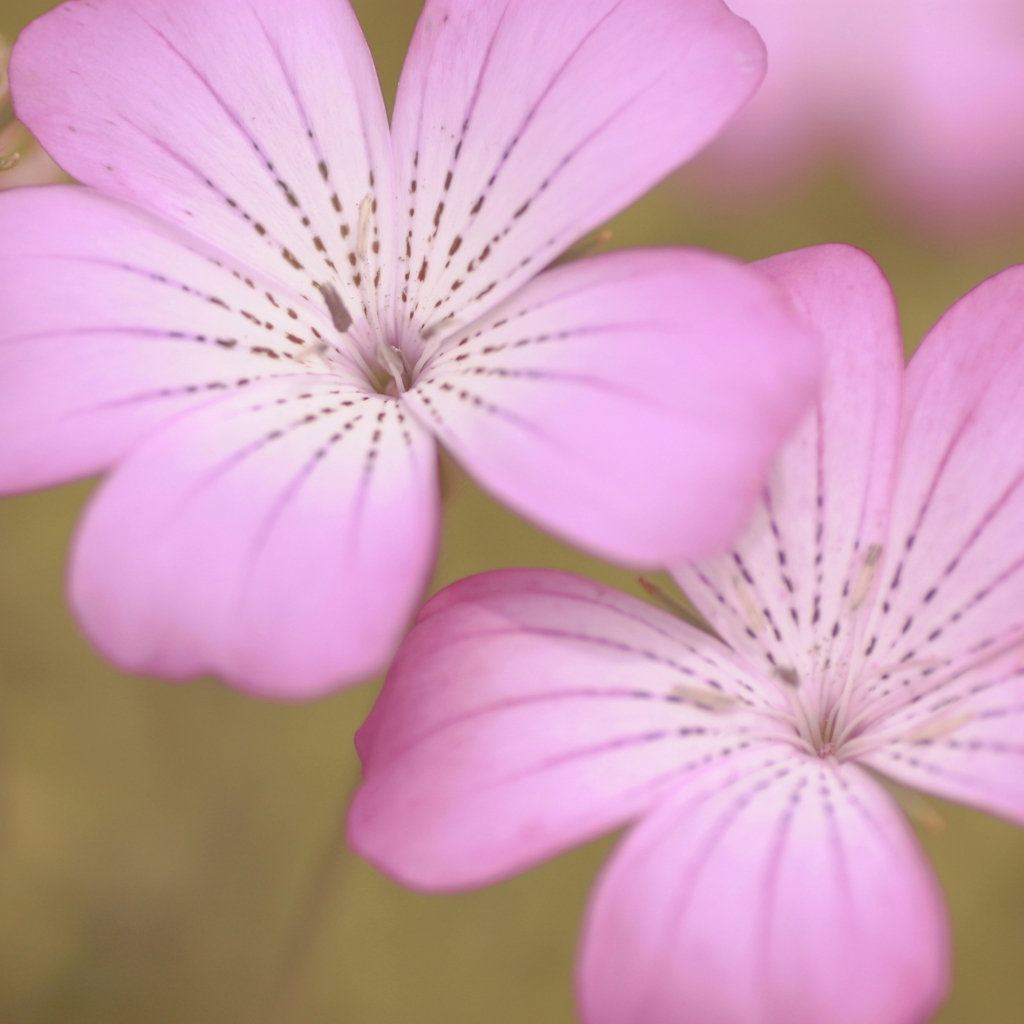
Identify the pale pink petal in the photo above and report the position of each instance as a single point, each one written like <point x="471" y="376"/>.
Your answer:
<point x="789" y="593"/>
<point x="770" y="890"/>
<point x="953" y="589"/>
<point x="947" y="692"/>
<point x="113" y="321"/>
<point x="258" y="124"/>
<point x="279" y="538"/>
<point x="530" y="710"/>
<point x="519" y="126"/>
<point x="630" y="403"/>
<point x="962" y="741"/>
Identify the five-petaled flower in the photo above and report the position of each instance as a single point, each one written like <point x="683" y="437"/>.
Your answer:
<point x="871" y="617"/>
<point x="268" y="308"/>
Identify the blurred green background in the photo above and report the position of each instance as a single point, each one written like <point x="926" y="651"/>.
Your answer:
<point x="171" y="855"/>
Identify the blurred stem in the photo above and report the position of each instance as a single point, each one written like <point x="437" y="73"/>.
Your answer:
<point x="307" y="930"/>
<point x="681" y="607"/>
<point x="451" y="475"/>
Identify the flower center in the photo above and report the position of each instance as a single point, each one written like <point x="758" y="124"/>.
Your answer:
<point x="387" y="370"/>
<point x="820" y="723"/>
<point x="395" y="369"/>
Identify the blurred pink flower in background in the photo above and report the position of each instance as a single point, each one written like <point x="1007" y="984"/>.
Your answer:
<point x="268" y="309"/>
<point x="22" y="160"/>
<point x="925" y="96"/>
<point x="871" y="617"/>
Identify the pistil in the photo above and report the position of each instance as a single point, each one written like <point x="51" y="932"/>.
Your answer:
<point x="392" y="359"/>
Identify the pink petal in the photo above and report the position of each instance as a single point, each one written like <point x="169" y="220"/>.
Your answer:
<point x="953" y="588"/>
<point x="528" y="711"/>
<point x="257" y="124"/>
<point x="791" y="592"/>
<point x="949" y="632"/>
<point x="630" y="403"/>
<point x="279" y="538"/>
<point x="114" y="321"/>
<point x="771" y="890"/>
<point x="520" y="126"/>
<point x="964" y="741"/>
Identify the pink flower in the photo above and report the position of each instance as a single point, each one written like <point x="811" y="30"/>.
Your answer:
<point x="269" y="309"/>
<point x="871" y="617"/>
<point x="926" y="95"/>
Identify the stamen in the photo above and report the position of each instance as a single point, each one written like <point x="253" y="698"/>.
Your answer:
<point x="8" y="163"/>
<point x="873" y="712"/>
<point x="393" y="360"/>
<point x="786" y="674"/>
<point x="867" y="575"/>
<point x="937" y="728"/>
<point x="448" y="324"/>
<point x="707" y="700"/>
<point x="674" y="607"/>
<point x="340" y="316"/>
<point x="940" y="727"/>
<point x="755" y="616"/>
<point x="807" y="720"/>
<point x="312" y="350"/>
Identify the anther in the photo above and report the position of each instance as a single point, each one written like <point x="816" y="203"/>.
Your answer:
<point x="363" y="234"/>
<point x="340" y="316"/>
<point x="867" y="575"/>
<point x="705" y="699"/>
<point x="786" y="674"/>
<point x="318" y="349"/>
<point x="755" y="617"/>
<point x="939" y="728"/>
